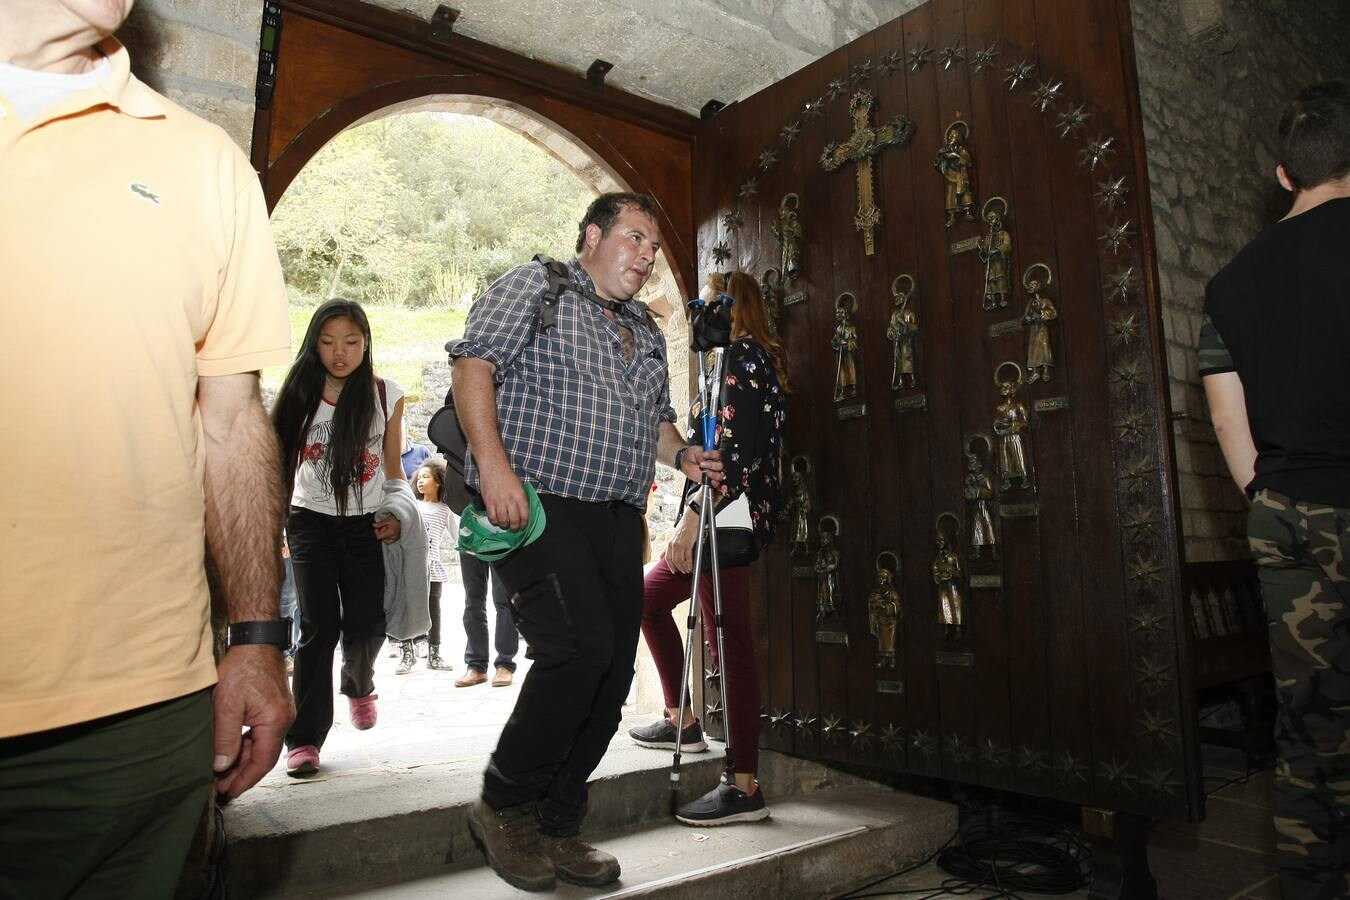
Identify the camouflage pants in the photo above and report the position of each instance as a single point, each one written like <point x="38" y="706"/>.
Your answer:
<point x="1302" y="552"/>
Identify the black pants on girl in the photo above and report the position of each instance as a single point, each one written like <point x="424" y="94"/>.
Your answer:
<point x="339" y="581"/>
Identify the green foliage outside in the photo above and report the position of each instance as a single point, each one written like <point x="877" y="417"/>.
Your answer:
<point x="414" y="215"/>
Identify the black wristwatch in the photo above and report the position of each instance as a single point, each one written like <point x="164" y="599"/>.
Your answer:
<point x="276" y="632"/>
<point x="679" y="456"/>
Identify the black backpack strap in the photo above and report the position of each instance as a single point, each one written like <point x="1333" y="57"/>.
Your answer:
<point x="559" y="280"/>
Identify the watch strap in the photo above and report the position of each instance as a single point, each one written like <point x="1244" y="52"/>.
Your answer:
<point x="276" y="632"/>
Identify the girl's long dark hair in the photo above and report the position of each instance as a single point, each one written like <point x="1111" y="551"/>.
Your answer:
<point x="302" y="391"/>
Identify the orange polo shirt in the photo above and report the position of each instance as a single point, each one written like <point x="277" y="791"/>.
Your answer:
<point x="135" y="256"/>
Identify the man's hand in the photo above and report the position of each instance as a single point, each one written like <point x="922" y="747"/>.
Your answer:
<point x="251" y="691"/>
<point x="504" y="498"/>
<point x="680" y="551"/>
<point x="697" y="461"/>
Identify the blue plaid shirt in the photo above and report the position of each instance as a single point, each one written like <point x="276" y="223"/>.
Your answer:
<point x="577" y="420"/>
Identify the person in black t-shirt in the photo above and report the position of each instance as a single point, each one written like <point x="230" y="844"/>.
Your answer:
<point x="1275" y="361"/>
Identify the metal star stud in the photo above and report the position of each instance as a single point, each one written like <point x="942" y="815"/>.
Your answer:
<point x="1129" y="376"/>
<point x="712" y="710"/>
<point x="1117" y="236"/>
<point x="789" y="133"/>
<point x="1097" y="152"/>
<point x="805" y="722"/>
<point x="711" y="675"/>
<point x="1141" y="523"/>
<point x="918" y="57"/>
<point x="733" y="219"/>
<point x="1070" y="768"/>
<point x="1045" y="95"/>
<point x="780" y="719"/>
<point x="860" y="735"/>
<point x="1030" y="758"/>
<point x="984" y="59"/>
<point x="833" y="728"/>
<point x="721" y="252"/>
<point x="1019" y="72"/>
<point x="861" y="72"/>
<point x="1111" y="193"/>
<point x="1072" y="121"/>
<point x="835" y="87"/>
<point x="950" y="55"/>
<point x="749" y="189"/>
<point x="766" y="160"/>
<point x="1152" y="675"/>
<point x="892" y="62"/>
<point x="995" y="754"/>
<point x="1145" y="570"/>
<point x="813" y="109"/>
<point x="1117" y="773"/>
<point x="924" y="742"/>
<point x="1160" y="781"/>
<point x="1148" y="622"/>
<point x="959" y="749"/>
<point x="1124" y="330"/>
<point x="892" y="737"/>
<point x="1120" y="286"/>
<point x="1134" y="426"/>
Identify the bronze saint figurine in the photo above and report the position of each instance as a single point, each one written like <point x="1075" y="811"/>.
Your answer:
<point x="828" y="594"/>
<point x="788" y="231"/>
<point x="979" y="494"/>
<point x="799" y="508"/>
<point x="1040" y="312"/>
<point x="958" y="171"/>
<point x="1011" y="425"/>
<point x="884" y="610"/>
<point x="771" y="286"/>
<point x="996" y="252"/>
<point x="902" y="332"/>
<point x="844" y="342"/>
<point x="950" y="578"/>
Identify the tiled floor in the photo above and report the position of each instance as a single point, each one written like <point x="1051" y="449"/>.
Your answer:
<point x="1229" y="856"/>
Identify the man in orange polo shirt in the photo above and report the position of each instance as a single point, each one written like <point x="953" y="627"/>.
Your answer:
<point x="141" y="293"/>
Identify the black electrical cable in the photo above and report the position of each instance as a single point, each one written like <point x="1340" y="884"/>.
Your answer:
<point x="1240" y="779"/>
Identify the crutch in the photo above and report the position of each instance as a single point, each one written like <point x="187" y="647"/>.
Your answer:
<point x="710" y="399"/>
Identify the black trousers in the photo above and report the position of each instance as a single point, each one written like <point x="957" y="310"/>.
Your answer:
<point x="475" y="574"/>
<point x="434" y="608"/>
<point x="339" y="581"/>
<point x="577" y="592"/>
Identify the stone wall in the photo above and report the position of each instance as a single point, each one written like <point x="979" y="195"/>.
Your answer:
<point x="202" y="54"/>
<point x="1213" y="78"/>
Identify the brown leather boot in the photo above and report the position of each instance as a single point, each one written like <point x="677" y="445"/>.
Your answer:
<point x="470" y="678"/>
<point x="578" y="862"/>
<point x="512" y="844"/>
<point x="502" y="678"/>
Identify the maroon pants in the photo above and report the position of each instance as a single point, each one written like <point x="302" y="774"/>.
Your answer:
<point x="663" y="591"/>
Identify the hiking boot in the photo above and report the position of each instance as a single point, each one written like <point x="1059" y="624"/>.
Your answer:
<point x="723" y="805"/>
<point x="363" y="711"/>
<point x="421" y="645"/>
<point x="661" y="736"/>
<point x="408" y="660"/>
<point x="512" y="844"/>
<point x="435" y="661"/>
<point x="470" y="678"/>
<point x="578" y="862"/>
<point x="302" y="761"/>
<point x="503" y="678"/>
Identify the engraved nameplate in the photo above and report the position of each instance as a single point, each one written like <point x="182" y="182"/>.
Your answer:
<point x="832" y="637"/>
<point x="1050" y="404"/>
<point x="906" y="404"/>
<point x="890" y="687"/>
<point x="965" y="246"/>
<point x="998" y="329"/>
<point x="986" y="581"/>
<point x="794" y="298"/>
<point x="1018" y="510"/>
<point x="955" y="658"/>
<point x="852" y="411"/>
<point x="803" y="571"/>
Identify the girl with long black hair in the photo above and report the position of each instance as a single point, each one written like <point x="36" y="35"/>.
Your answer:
<point x="341" y="439"/>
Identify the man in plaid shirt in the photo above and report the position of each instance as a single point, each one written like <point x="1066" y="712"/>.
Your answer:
<point x="582" y="411"/>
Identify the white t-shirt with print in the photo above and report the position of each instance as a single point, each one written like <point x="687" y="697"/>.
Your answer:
<point x="313" y="489"/>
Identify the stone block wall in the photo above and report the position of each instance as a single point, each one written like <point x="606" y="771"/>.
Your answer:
<point x="1213" y="78"/>
<point x="202" y="54"/>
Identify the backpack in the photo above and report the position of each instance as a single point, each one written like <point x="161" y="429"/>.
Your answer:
<point x="444" y="430"/>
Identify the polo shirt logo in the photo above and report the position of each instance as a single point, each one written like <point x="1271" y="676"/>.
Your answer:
<point x="144" y="192"/>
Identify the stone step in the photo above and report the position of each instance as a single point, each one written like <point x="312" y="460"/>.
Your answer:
<point x="313" y="838"/>
<point x="815" y="845"/>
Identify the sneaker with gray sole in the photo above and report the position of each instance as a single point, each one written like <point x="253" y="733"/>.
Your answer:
<point x="512" y="845"/>
<point x="724" y="805"/>
<point x="578" y="862"/>
<point x="661" y="736"/>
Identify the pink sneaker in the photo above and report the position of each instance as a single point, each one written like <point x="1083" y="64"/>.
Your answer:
<point x="302" y="761"/>
<point x="363" y="711"/>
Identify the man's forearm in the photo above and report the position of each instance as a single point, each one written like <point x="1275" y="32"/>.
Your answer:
<point x="668" y="443"/>
<point x="476" y="404"/>
<point x="243" y="496"/>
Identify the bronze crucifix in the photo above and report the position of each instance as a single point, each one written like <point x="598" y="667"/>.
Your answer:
<point x="862" y="145"/>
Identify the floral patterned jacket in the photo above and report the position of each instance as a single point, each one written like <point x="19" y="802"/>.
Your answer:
<point x="750" y="433"/>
